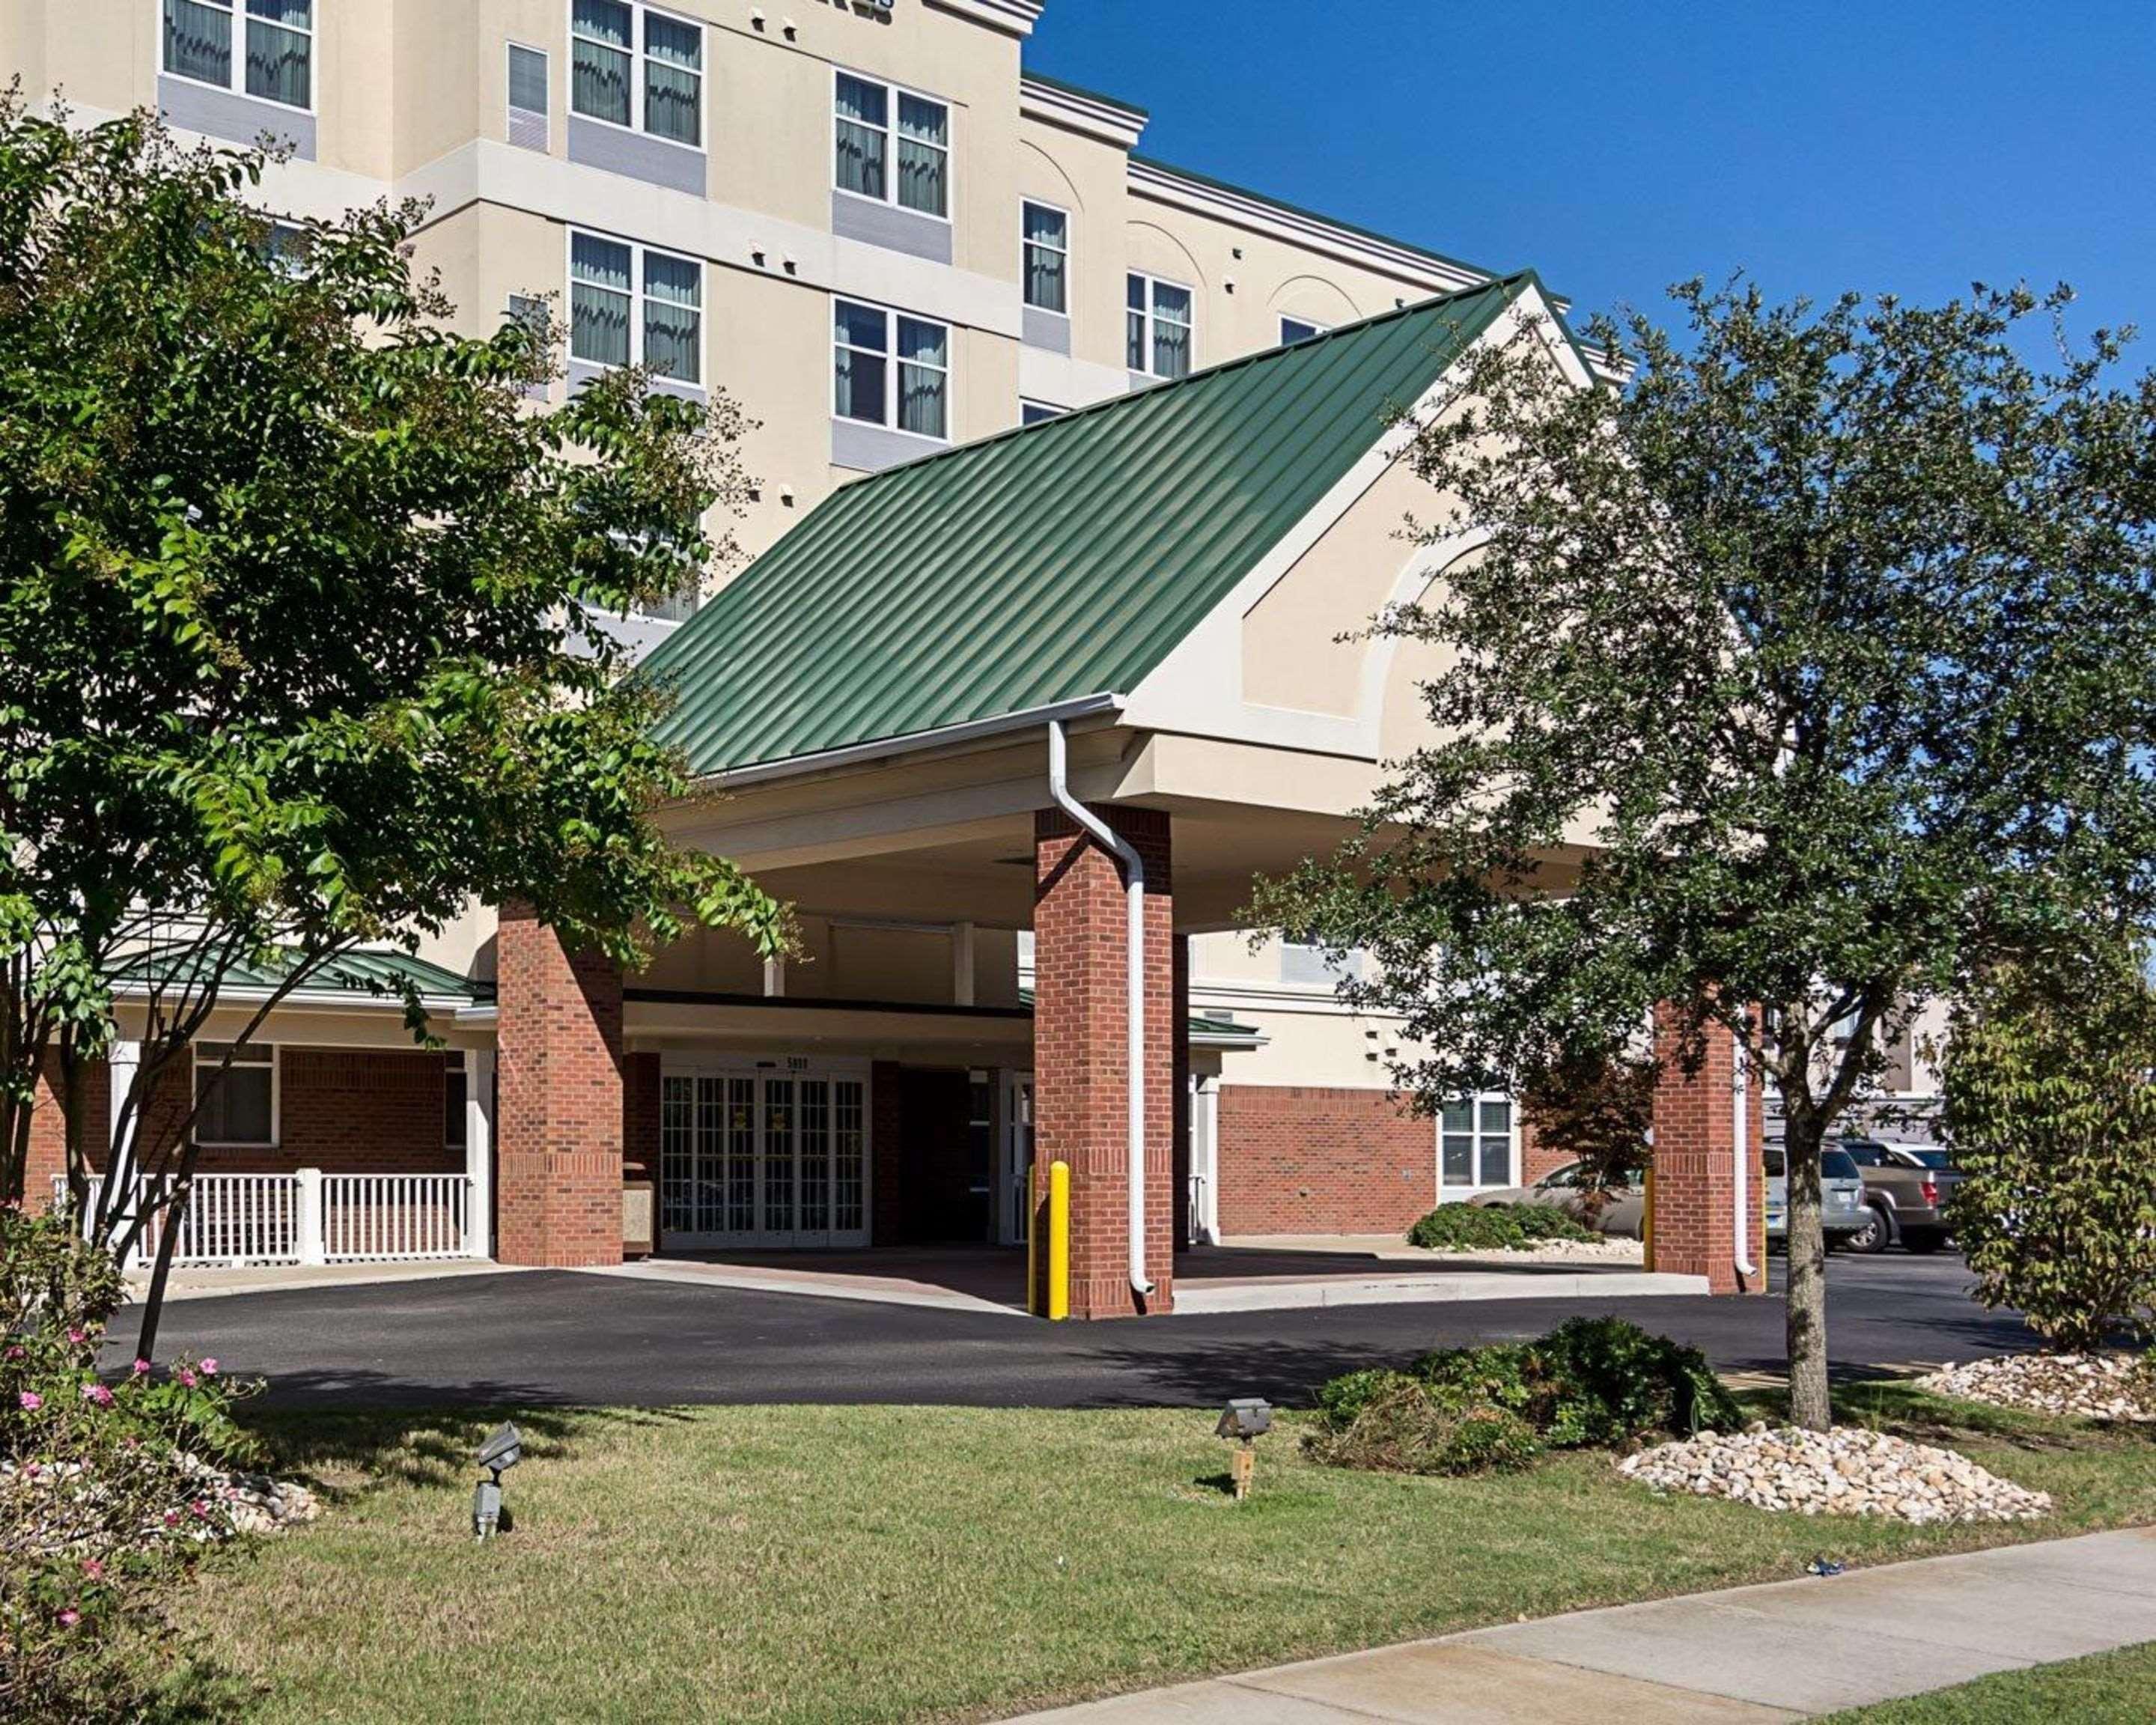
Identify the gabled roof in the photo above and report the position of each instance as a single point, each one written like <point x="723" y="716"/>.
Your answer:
<point x="1046" y="565"/>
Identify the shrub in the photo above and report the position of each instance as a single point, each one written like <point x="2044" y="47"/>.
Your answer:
<point x="102" y="1500"/>
<point x="2050" y="1112"/>
<point x="1469" y="1227"/>
<point x="1590" y="1382"/>
<point x="1404" y="1425"/>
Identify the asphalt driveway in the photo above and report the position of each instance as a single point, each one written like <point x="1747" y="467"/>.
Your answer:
<point x="554" y="1337"/>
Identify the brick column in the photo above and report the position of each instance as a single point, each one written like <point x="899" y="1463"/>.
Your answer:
<point x="558" y="1044"/>
<point x="1079" y="1057"/>
<point x="1696" y="1151"/>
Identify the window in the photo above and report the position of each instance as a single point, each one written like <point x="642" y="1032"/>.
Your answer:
<point x="1158" y="327"/>
<point x="237" y="1105"/>
<point x="634" y="67"/>
<point x="1296" y="329"/>
<point x="1036" y="412"/>
<point x="1047" y="259"/>
<point x="527" y="97"/>
<point x="277" y="56"/>
<point x="904" y="383"/>
<point x="1474" y="1141"/>
<point x="1303" y="965"/>
<point x="607" y="328"/>
<point x="864" y="149"/>
<point x="453" y="1100"/>
<point x="284" y="246"/>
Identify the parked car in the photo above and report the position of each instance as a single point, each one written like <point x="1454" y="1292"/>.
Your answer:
<point x="1843" y="1213"/>
<point x="1905" y="1186"/>
<point x="1620" y="1210"/>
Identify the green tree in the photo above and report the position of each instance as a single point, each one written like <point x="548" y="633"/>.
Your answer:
<point x="2049" y="1091"/>
<point x="300" y="603"/>
<point x="1792" y="684"/>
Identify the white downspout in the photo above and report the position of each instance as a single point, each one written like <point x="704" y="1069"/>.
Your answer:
<point x="1134" y="884"/>
<point x="1741" y="1089"/>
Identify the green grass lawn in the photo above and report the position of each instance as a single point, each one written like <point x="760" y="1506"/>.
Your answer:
<point x="835" y="1563"/>
<point x="2106" y="1689"/>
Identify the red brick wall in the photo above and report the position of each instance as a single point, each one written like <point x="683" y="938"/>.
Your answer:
<point x="1080" y="1053"/>
<point x="1302" y="1159"/>
<point x="558" y="1044"/>
<point x="1695" y="1169"/>
<point x="639" y="1120"/>
<point x="352" y="1111"/>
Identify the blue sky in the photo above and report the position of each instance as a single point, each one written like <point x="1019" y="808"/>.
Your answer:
<point x="1905" y="145"/>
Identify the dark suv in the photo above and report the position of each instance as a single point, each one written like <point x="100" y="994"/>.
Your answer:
<point x="1905" y="1186"/>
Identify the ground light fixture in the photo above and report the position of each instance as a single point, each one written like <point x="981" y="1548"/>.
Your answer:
<point x="500" y="1453"/>
<point x="1243" y="1422"/>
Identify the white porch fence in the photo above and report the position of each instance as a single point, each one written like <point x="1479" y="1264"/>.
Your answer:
<point x="309" y="1217"/>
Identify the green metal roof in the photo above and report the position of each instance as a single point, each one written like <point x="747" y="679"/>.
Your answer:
<point x="1047" y="564"/>
<point x="375" y="974"/>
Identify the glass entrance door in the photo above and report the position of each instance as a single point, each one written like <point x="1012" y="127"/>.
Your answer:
<point x="1014" y="1182"/>
<point x="763" y="1159"/>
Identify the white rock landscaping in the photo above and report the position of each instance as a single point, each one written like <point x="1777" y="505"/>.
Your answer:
<point x="1849" y="1472"/>
<point x="1608" y="1250"/>
<point x="2091" y="1386"/>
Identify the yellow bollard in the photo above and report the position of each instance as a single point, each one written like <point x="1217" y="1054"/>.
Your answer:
<point x="1647" y="1223"/>
<point x="1058" y="1241"/>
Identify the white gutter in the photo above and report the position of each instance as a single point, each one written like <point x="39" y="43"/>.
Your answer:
<point x="1134" y="883"/>
<point x="1086" y="706"/>
<point x="1741" y="1089"/>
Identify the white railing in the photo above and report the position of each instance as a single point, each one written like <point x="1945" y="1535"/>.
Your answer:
<point x="376" y="1218"/>
<point x="308" y="1217"/>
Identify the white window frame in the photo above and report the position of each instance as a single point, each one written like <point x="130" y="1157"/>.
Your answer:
<point x="1047" y="409"/>
<point x="1313" y="327"/>
<point x="1153" y="284"/>
<point x="639" y="122"/>
<point x="1446" y="1187"/>
<point x="243" y="1055"/>
<point x="890" y="198"/>
<point x="237" y="83"/>
<point x="1070" y="253"/>
<point x="637" y="278"/>
<point x="891" y="365"/>
<point x="509" y="50"/>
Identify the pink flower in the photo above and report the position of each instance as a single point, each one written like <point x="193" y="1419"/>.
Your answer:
<point x="200" y="1506"/>
<point x="141" y="1368"/>
<point x="94" y="1568"/>
<point x="187" y="1377"/>
<point x="77" y="1335"/>
<point x="97" y="1393"/>
<point x="69" y="1618"/>
<point x="30" y="1401"/>
<point x="210" y="1369"/>
<point x="15" y="1353"/>
<point x="172" y="1518"/>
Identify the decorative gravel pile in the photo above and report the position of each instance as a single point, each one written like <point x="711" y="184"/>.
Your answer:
<point x="253" y="1502"/>
<point x="2093" y="1386"/>
<point x="1608" y="1250"/>
<point x="63" y="1498"/>
<point x="1849" y="1472"/>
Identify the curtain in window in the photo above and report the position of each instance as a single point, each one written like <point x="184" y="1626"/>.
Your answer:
<point x="924" y="137"/>
<point x="1457" y="1125"/>
<point x="673" y="79"/>
<point x="599" y="301"/>
<point x="862" y="371"/>
<point x="1136" y="351"/>
<point x="527" y="80"/>
<point x="198" y="42"/>
<point x="280" y="51"/>
<point x="1171" y="330"/>
<point x="598" y="74"/>
<point x="1047" y="244"/>
<point x="673" y="317"/>
<point x="924" y="374"/>
<point x="863" y="117"/>
<point x="1496" y="1123"/>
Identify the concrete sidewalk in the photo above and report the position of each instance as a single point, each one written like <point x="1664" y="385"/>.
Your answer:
<point x="1787" y="1650"/>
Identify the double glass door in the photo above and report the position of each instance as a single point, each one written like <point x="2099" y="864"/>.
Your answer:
<point x="762" y="1158"/>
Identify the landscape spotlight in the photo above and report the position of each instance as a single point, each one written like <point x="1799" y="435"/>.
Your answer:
<point x="500" y="1453"/>
<point x="1243" y="1421"/>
